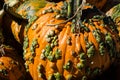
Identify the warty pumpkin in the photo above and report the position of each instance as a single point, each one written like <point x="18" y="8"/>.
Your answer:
<point x="114" y="12"/>
<point x="5" y="22"/>
<point x="11" y="65"/>
<point x="26" y="10"/>
<point x="62" y="45"/>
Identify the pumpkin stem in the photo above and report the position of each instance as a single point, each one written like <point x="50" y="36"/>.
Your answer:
<point x="15" y="16"/>
<point x="70" y="8"/>
<point x="79" y="3"/>
<point x="76" y="11"/>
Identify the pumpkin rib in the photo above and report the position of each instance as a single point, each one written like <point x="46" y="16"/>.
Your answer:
<point x="62" y="41"/>
<point x="74" y="54"/>
<point x="83" y="45"/>
<point x="43" y="23"/>
<point x="103" y="30"/>
<point x="68" y="53"/>
<point x="96" y="45"/>
<point x="34" y="69"/>
<point x="50" y="69"/>
<point x="92" y="37"/>
<point x="93" y="40"/>
<point x="78" y="49"/>
<point x="78" y="44"/>
<point x="113" y="36"/>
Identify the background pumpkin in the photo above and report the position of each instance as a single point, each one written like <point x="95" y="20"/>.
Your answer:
<point x="26" y="10"/>
<point x="6" y="21"/>
<point x="114" y="12"/>
<point x="59" y="52"/>
<point x="11" y="65"/>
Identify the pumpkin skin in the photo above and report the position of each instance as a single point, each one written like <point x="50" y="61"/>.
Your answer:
<point x="114" y="12"/>
<point x="26" y="10"/>
<point x="11" y="65"/>
<point x="56" y="52"/>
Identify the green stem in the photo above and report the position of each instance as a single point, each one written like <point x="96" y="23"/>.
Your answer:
<point x="75" y="10"/>
<point x="78" y="16"/>
<point x="78" y="3"/>
<point x="70" y="8"/>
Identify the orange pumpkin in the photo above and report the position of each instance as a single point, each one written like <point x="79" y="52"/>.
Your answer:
<point x="6" y="21"/>
<point x="11" y="65"/>
<point x="26" y="10"/>
<point x="60" y="49"/>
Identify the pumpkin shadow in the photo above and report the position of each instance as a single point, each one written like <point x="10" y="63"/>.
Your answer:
<point x="109" y="5"/>
<point x="113" y="73"/>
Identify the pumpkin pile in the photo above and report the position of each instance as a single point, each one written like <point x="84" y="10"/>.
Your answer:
<point x="11" y="63"/>
<point x="64" y="39"/>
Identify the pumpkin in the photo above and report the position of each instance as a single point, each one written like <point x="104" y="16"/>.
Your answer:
<point x="57" y="48"/>
<point x="26" y="10"/>
<point x="6" y="20"/>
<point x="11" y="65"/>
<point x="114" y="12"/>
<point x="98" y="3"/>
